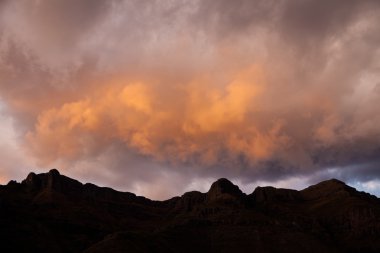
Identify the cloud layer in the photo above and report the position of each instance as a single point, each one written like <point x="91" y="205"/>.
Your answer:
<point x="152" y="96"/>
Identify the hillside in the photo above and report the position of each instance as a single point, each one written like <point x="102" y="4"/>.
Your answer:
<point x="50" y="212"/>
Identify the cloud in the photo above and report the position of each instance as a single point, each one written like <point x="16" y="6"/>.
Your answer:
<point x="14" y="163"/>
<point x="258" y="91"/>
<point x="135" y="114"/>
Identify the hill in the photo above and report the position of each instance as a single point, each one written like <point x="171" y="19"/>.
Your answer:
<point x="50" y="212"/>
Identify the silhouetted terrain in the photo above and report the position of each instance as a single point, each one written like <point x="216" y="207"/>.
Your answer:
<point x="53" y="213"/>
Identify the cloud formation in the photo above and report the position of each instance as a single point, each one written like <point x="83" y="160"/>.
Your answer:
<point x="161" y="91"/>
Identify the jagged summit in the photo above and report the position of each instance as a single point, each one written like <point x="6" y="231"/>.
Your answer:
<point x="35" y="180"/>
<point x="223" y="188"/>
<point x="32" y="180"/>
<point x="220" y="189"/>
<point x="52" y="180"/>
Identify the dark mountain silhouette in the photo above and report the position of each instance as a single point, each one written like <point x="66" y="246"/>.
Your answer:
<point x="53" y="213"/>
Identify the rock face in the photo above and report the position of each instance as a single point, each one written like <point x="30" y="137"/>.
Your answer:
<point x="224" y="189"/>
<point x="265" y="194"/>
<point x="52" y="180"/>
<point x="50" y="212"/>
<point x="189" y="201"/>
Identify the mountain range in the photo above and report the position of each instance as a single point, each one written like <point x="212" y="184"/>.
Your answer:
<point x="50" y="212"/>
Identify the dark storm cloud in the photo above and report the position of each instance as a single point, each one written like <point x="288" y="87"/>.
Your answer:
<point x="194" y="90"/>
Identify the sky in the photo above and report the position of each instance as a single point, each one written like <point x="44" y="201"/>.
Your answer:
<point x="162" y="97"/>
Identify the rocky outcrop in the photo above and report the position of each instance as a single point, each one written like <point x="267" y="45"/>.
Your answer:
<point x="50" y="212"/>
<point x="189" y="201"/>
<point x="52" y="180"/>
<point x="268" y="193"/>
<point x="223" y="189"/>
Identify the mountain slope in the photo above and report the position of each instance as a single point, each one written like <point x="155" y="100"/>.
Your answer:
<point x="50" y="212"/>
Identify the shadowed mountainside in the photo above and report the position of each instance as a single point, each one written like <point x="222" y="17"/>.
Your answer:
<point x="50" y="212"/>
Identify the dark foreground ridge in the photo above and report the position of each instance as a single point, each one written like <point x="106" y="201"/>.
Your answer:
<point x="50" y="212"/>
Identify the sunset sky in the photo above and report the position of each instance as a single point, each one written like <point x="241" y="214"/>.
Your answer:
<point x="162" y="97"/>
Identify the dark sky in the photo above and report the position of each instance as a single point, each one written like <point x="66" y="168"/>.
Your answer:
<point x="160" y="97"/>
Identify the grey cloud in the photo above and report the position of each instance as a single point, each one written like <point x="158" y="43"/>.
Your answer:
<point x="321" y="59"/>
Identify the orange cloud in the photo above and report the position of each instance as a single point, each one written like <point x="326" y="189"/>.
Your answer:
<point x="214" y="108"/>
<point x="259" y="145"/>
<point x="62" y="132"/>
<point x="198" y="120"/>
<point x="136" y="96"/>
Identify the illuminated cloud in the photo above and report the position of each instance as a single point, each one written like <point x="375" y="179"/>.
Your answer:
<point x="132" y="94"/>
<point x="200" y="118"/>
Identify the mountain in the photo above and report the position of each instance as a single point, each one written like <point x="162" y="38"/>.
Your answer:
<point x="50" y="212"/>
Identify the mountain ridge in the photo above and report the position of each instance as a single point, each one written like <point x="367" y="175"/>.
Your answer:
<point x="33" y="178"/>
<point x="52" y="212"/>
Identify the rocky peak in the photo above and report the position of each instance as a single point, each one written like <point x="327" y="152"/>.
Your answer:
<point x="332" y="187"/>
<point x="32" y="181"/>
<point x="52" y="181"/>
<point x="54" y="172"/>
<point x="222" y="189"/>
